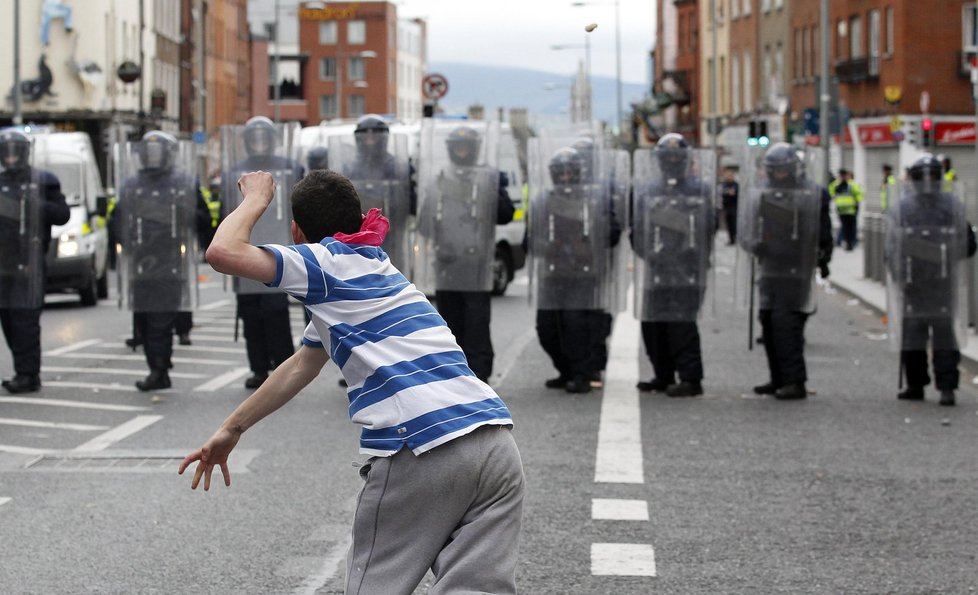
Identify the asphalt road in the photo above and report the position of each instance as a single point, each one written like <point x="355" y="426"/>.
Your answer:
<point x="848" y="491"/>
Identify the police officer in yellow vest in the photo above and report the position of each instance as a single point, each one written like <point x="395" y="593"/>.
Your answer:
<point x="889" y="181"/>
<point x="950" y="176"/>
<point x="847" y="195"/>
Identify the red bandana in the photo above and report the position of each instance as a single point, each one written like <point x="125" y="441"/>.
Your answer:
<point x="372" y="230"/>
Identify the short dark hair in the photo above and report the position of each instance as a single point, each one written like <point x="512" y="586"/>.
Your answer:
<point x="325" y="203"/>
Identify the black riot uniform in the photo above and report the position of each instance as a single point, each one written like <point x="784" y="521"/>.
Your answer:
<point x="158" y="285"/>
<point x="468" y="313"/>
<point x="22" y="326"/>
<point x="929" y="293"/>
<point x="785" y="302"/>
<point x="571" y="329"/>
<point x="265" y="316"/>
<point x="672" y="340"/>
<point x="317" y="158"/>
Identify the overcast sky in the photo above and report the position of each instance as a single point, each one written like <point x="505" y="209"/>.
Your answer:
<point x="515" y="32"/>
<point x="520" y="33"/>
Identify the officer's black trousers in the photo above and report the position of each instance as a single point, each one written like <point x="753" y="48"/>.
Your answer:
<point x="784" y="344"/>
<point x="848" y="231"/>
<point x="468" y="315"/>
<point x="601" y="324"/>
<point x="569" y="338"/>
<point x="22" y="329"/>
<point x="674" y="348"/>
<point x="267" y="330"/>
<point x="183" y="323"/>
<point x="156" y="330"/>
<point x="731" y="218"/>
<point x="940" y="333"/>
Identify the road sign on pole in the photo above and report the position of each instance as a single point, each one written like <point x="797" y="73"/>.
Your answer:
<point x="434" y="86"/>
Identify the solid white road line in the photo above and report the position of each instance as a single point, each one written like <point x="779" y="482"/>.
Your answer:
<point x="4" y="501"/>
<point x="209" y="349"/>
<point x="115" y="371"/>
<point x="73" y="347"/>
<point x="195" y="337"/>
<point x="30" y="423"/>
<point x="214" y="305"/>
<point x="22" y="450"/>
<point x="141" y="358"/>
<point x="609" y="509"/>
<point x="508" y="358"/>
<point x="619" y="456"/>
<point x="329" y="568"/>
<point x="126" y="388"/>
<point x="622" y="559"/>
<point x="120" y="432"/>
<point x="222" y="380"/>
<point x="66" y="403"/>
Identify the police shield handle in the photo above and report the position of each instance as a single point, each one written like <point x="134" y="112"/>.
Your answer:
<point x="260" y="184"/>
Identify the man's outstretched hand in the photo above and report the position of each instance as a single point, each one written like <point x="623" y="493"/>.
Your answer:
<point x="258" y="183"/>
<point x="214" y="452"/>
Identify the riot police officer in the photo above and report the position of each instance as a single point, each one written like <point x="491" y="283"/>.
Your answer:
<point x="672" y="228"/>
<point x="570" y="242"/>
<point x="30" y="203"/>
<point x="929" y="239"/>
<point x="463" y="201"/>
<point x="317" y="158"/>
<point x="159" y="215"/>
<point x="264" y="313"/>
<point x="785" y="227"/>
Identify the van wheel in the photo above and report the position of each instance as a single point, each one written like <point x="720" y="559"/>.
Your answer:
<point x="89" y="293"/>
<point x="502" y="271"/>
<point x="103" y="285"/>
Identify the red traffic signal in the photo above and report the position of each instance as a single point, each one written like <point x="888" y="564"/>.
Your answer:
<point x="926" y="124"/>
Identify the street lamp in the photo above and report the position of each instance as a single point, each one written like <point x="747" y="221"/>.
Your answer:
<point x="617" y="58"/>
<point x="340" y="56"/>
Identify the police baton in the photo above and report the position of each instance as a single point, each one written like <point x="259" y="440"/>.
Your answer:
<point x="750" y="309"/>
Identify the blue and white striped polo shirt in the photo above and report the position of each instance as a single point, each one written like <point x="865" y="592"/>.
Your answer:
<point x="409" y="382"/>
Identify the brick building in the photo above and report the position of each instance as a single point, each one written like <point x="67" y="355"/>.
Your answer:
<point x="677" y="66"/>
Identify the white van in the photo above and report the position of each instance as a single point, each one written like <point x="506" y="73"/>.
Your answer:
<point x="78" y="257"/>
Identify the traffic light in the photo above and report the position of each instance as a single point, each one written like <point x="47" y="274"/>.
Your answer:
<point x="428" y="110"/>
<point x="757" y="134"/>
<point x="926" y="126"/>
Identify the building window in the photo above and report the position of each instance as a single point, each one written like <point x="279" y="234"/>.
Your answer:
<point x="765" y="5"/>
<point x="355" y="105"/>
<point x="735" y="83"/>
<point x="767" y="73"/>
<point x="355" y="69"/>
<point x="855" y="38"/>
<point x="746" y="7"/>
<point x="813" y="50"/>
<point x="270" y="31"/>
<point x="734" y="9"/>
<point x="327" y="106"/>
<point x="874" y="42"/>
<point x="889" y="30"/>
<point x="327" y="69"/>
<point x="356" y="32"/>
<point x="841" y="29"/>
<point x="748" y="82"/>
<point x="799" y="65"/>
<point x="327" y="33"/>
<point x="779" y="4"/>
<point x="778" y="75"/>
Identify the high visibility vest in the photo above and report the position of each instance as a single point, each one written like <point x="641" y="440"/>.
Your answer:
<point x="950" y="176"/>
<point x="847" y="203"/>
<point x="890" y="180"/>
<point x="213" y="206"/>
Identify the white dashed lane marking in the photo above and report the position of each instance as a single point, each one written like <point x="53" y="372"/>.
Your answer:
<point x="31" y="423"/>
<point x="4" y="500"/>
<point x="66" y="403"/>
<point x="619" y="510"/>
<point x="622" y="559"/>
<point x="120" y="432"/>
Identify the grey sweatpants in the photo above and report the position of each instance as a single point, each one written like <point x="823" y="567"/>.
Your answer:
<point x="456" y="509"/>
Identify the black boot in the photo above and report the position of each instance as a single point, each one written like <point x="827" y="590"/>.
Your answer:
<point x="685" y="389"/>
<point x="912" y="393"/>
<point x="791" y="392"/>
<point x="578" y="384"/>
<point x="655" y="385"/>
<point x="134" y="342"/>
<point x="947" y="398"/>
<point x="185" y="339"/>
<point x="257" y="380"/>
<point x="558" y="382"/>
<point x="23" y="383"/>
<point x="158" y="379"/>
<point x="766" y="389"/>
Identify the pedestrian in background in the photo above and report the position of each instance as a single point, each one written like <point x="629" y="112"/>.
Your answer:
<point x="847" y="196"/>
<point x="729" y="193"/>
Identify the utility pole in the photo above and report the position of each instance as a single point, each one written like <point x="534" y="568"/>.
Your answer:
<point x="823" y="91"/>
<point x="142" y="66"/>
<point x="713" y="121"/>
<point x="618" y="71"/>
<point x="18" y="116"/>
<point x="277" y="89"/>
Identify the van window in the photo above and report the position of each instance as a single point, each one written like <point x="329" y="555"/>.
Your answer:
<point x="72" y="178"/>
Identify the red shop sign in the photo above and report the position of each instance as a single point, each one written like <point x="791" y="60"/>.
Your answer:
<point x="954" y="133"/>
<point x="874" y="135"/>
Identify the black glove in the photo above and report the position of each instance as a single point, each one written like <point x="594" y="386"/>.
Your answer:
<point x="823" y="270"/>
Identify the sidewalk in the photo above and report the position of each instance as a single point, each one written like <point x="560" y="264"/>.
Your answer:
<point x="846" y="273"/>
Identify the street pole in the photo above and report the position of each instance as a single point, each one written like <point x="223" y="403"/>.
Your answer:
<point x="823" y="91"/>
<point x="339" y="85"/>
<point x="201" y="84"/>
<point x="587" y="71"/>
<point x="277" y="92"/>
<point x="142" y="66"/>
<point x="618" y="69"/>
<point x="18" y="116"/>
<point x="713" y="75"/>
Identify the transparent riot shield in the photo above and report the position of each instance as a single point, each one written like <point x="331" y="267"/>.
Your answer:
<point x="156" y="224"/>
<point x="382" y="179"/>
<point x="278" y="157"/>
<point x="458" y="192"/>
<point x="21" y="252"/>
<point x="926" y="250"/>
<point x="672" y="235"/>
<point x="621" y="188"/>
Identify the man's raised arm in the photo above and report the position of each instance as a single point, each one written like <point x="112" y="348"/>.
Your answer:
<point x="231" y="251"/>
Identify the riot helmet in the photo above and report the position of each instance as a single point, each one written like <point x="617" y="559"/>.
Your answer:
<point x="371" y="135"/>
<point x="463" y="146"/>
<point x="672" y="152"/>
<point x="585" y="148"/>
<point x="259" y="136"/>
<point x="15" y="150"/>
<point x="926" y="174"/>
<point x="316" y="158"/>
<point x="782" y="165"/>
<point x="156" y="150"/>
<point x="566" y="166"/>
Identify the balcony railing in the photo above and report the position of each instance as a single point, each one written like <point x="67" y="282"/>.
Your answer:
<point x="858" y="70"/>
